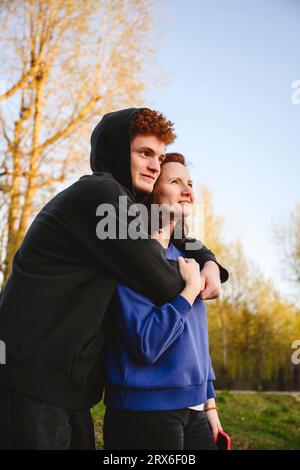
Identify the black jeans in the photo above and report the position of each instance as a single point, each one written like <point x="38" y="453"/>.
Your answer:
<point x="31" y="424"/>
<point x="152" y="430"/>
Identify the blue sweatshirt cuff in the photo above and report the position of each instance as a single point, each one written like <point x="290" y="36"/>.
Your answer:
<point x="181" y="305"/>
<point x="210" y="390"/>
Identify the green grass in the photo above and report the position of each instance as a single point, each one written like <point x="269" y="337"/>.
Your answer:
<point x="253" y="420"/>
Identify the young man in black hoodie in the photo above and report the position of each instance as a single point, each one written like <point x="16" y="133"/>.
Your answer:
<point x="54" y="304"/>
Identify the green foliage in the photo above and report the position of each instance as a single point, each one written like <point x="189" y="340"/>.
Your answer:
<point x="252" y="349"/>
<point x="251" y="329"/>
<point x="260" y="420"/>
<point x="254" y="421"/>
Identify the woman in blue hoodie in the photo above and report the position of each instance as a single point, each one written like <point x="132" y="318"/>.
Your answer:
<point x="159" y="392"/>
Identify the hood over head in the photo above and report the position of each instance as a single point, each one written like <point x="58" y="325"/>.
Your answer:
<point x="110" y="145"/>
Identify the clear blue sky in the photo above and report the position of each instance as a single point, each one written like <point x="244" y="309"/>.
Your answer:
<point x="230" y="67"/>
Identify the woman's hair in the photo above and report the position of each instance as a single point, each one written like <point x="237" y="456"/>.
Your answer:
<point x="174" y="157"/>
<point x="148" y="121"/>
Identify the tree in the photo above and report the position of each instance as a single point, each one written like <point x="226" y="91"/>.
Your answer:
<point x="251" y="329"/>
<point x="64" y="64"/>
<point x="288" y="239"/>
<point x="208" y="227"/>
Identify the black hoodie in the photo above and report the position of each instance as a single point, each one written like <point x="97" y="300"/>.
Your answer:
<point x="52" y="309"/>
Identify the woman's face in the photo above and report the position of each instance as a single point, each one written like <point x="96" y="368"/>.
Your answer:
<point x="175" y="188"/>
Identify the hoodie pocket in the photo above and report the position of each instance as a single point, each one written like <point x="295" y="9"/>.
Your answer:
<point x="86" y="359"/>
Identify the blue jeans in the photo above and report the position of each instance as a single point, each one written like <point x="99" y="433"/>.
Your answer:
<point x="31" y="424"/>
<point x="155" y="430"/>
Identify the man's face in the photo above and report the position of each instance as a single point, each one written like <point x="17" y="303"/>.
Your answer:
<point x="147" y="153"/>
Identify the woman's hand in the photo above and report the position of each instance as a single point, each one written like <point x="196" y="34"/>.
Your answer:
<point x="213" y="421"/>
<point x="190" y="273"/>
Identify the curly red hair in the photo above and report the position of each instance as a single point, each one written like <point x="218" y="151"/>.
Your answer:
<point x="148" y="121"/>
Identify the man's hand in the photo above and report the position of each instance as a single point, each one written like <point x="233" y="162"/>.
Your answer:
<point x="190" y="273"/>
<point x="212" y="284"/>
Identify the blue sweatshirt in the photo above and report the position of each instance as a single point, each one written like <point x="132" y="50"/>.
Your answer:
<point x="158" y="357"/>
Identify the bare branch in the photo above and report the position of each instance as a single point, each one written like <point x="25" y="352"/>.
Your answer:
<point x="66" y="131"/>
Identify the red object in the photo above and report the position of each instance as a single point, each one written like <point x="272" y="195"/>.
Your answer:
<point x="223" y="441"/>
